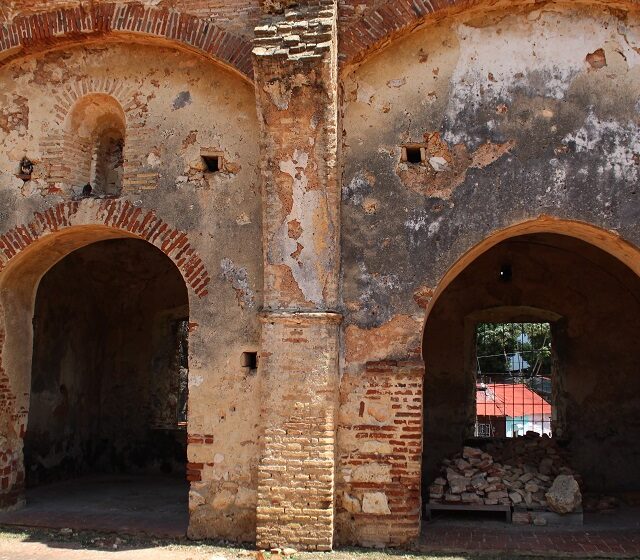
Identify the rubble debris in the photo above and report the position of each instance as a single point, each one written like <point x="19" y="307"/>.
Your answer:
<point x="516" y="472"/>
<point x="564" y="495"/>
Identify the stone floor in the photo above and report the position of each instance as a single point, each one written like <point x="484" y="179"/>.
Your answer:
<point x="155" y="506"/>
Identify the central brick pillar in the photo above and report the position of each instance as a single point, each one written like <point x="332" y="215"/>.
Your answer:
<point x="296" y="472"/>
<point x="295" y="67"/>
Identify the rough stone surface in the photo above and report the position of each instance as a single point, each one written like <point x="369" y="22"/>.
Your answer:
<point x="564" y="495"/>
<point x="375" y="503"/>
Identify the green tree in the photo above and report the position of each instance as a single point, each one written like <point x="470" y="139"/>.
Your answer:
<point x="503" y="347"/>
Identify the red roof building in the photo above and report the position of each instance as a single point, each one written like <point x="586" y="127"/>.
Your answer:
<point x="505" y="409"/>
<point x="513" y="400"/>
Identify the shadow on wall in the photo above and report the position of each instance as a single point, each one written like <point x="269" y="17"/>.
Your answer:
<point x="597" y="354"/>
<point x="106" y="387"/>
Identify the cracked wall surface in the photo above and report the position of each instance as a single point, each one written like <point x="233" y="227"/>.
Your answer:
<point x="317" y="240"/>
<point x="209" y="223"/>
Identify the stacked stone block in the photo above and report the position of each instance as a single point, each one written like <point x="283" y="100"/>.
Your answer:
<point x="296" y="470"/>
<point x="380" y="441"/>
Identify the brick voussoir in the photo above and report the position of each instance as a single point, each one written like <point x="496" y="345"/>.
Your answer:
<point x="40" y="31"/>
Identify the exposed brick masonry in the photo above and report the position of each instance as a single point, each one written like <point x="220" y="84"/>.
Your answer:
<point x="11" y="468"/>
<point x="363" y="32"/>
<point x="380" y="435"/>
<point x="72" y="170"/>
<point x="296" y="469"/>
<point x="302" y="32"/>
<point x="36" y="31"/>
<point x="297" y="104"/>
<point x="117" y="214"/>
<point x="295" y="65"/>
<point x="227" y="38"/>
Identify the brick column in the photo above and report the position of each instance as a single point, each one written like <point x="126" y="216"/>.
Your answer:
<point x="295" y="67"/>
<point x="300" y="391"/>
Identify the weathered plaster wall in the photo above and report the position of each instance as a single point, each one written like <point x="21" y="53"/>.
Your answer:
<point x="295" y="64"/>
<point x="521" y="113"/>
<point x="210" y="224"/>
<point x="596" y="298"/>
<point x="541" y="131"/>
<point x="94" y="400"/>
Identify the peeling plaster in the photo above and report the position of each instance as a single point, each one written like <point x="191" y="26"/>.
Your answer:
<point x="280" y="96"/>
<point x="419" y="222"/>
<point x="181" y="100"/>
<point x="304" y="254"/>
<point x="239" y="280"/>
<point x="446" y="167"/>
<point x="618" y="142"/>
<point x="552" y="48"/>
<point x="195" y="380"/>
<point x="392" y="340"/>
<point x="359" y="187"/>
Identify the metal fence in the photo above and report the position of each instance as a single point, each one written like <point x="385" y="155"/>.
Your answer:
<point x="513" y="379"/>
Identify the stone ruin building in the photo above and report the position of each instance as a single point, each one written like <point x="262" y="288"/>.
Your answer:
<point x="247" y="242"/>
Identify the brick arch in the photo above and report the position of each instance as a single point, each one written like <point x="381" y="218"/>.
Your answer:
<point x="57" y="141"/>
<point x="116" y="218"/>
<point x="607" y="241"/>
<point x="27" y="251"/>
<point x="381" y="25"/>
<point x="34" y="32"/>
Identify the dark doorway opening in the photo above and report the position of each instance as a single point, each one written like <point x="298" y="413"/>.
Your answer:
<point x="588" y="302"/>
<point x="109" y="386"/>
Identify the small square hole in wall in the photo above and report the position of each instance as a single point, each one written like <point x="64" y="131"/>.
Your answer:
<point x="213" y="161"/>
<point x="249" y="360"/>
<point x="413" y="154"/>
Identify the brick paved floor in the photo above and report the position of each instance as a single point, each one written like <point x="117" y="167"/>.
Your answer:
<point x="597" y="544"/>
<point x="614" y="535"/>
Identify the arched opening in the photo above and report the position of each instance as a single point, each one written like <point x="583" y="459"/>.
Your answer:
<point x="590" y="301"/>
<point x="107" y="163"/>
<point x="94" y="146"/>
<point x="105" y="439"/>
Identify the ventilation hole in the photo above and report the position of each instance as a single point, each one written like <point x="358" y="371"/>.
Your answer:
<point x="26" y="169"/>
<point x="414" y="154"/>
<point x="212" y="162"/>
<point x="505" y="273"/>
<point x="249" y="360"/>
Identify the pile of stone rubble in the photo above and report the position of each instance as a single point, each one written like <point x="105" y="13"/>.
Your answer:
<point x="526" y="472"/>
